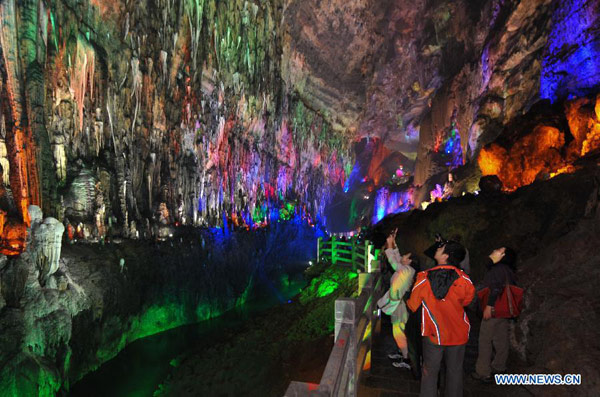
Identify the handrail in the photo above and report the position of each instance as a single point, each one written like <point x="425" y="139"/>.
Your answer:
<point x="355" y="322"/>
<point x="359" y="255"/>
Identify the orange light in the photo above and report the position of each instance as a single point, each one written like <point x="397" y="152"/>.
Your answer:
<point x="491" y="159"/>
<point x="532" y="155"/>
<point x="567" y="169"/>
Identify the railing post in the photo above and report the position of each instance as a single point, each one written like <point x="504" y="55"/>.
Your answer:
<point x="333" y="253"/>
<point x="355" y="324"/>
<point x="367" y="255"/>
<point x="363" y="279"/>
<point x="353" y="241"/>
<point x="352" y="390"/>
<point x="345" y="313"/>
<point x="319" y="242"/>
<point x="375" y="262"/>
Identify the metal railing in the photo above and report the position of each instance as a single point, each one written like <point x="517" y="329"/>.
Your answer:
<point x="358" y="254"/>
<point x="356" y="321"/>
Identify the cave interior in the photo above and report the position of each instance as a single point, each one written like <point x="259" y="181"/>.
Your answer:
<point x="161" y="158"/>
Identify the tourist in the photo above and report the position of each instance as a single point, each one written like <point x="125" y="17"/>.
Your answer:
<point x="443" y="291"/>
<point x="494" y="331"/>
<point x="400" y="284"/>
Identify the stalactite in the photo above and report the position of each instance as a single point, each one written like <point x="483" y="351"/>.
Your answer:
<point x="16" y="137"/>
<point x="136" y="75"/>
<point x="4" y="163"/>
<point x="82" y="76"/>
<point x="232" y="153"/>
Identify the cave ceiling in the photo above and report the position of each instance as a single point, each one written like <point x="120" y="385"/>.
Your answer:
<point x="379" y="68"/>
<point x="219" y="112"/>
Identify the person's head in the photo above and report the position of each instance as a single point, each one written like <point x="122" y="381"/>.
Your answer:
<point x="451" y="253"/>
<point x="378" y="238"/>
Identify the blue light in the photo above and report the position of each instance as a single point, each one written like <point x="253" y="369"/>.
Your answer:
<point x="380" y="204"/>
<point x="387" y="203"/>
<point x="354" y="175"/>
<point x="454" y="149"/>
<point x="570" y="66"/>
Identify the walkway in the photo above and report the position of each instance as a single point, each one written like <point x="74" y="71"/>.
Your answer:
<point x="385" y="380"/>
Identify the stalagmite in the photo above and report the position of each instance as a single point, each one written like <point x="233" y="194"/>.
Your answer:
<point x="46" y="238"/>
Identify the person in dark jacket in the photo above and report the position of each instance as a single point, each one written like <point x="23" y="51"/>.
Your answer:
<point x="443" y="292"/>
<point x="494" y="331"/>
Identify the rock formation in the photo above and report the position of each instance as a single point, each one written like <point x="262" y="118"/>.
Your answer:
<point x="46" y="238"/>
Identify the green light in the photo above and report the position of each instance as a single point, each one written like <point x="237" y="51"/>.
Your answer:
<point x="53" y="30"/>
<point x="327" y="287"/>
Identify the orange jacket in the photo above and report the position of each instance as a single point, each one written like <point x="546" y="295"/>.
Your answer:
<point x="443" y="320"/>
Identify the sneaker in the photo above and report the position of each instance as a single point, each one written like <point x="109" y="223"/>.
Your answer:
<point x="481" y="378"/>
<point x="401" y="364"/>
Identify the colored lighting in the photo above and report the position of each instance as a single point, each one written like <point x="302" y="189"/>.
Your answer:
<point x="391" y="203"/>
<point x="570" y="65"/>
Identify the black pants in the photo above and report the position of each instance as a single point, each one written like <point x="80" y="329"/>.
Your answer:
<point x="432" y="359"/>
<point x="414" y="339"/>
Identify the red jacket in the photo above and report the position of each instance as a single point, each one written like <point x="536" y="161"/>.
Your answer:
<point x="443" y="291"/>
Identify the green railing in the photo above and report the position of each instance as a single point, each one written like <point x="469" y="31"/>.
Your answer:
<point x="360" y="255"/>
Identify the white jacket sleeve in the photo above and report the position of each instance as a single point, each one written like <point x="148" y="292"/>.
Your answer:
<point x="393" y="256"/>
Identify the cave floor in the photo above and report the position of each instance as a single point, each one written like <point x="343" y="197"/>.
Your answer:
<point x="384" y="380"/>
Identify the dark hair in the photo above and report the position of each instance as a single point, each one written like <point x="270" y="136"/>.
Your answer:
<point x="456" y="252"/>
<point x="509" y="258"/>
<point x="416" y="262"/>
<point x="378" y="238"/>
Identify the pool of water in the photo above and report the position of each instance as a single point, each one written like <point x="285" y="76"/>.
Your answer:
<point x="139" y="368"/>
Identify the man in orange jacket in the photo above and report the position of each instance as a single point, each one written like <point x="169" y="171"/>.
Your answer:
<point x="443" y="291"/>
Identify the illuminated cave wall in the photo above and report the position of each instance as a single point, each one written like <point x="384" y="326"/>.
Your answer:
<point x="528" y="51"/>
<point x="221" y="111"/>
<point x="162" y="112"/>
<point x="444" y="79"/>
<point x="453" y="77"/>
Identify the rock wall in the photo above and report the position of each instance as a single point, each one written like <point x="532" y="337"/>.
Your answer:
<point x="102" y="297"/>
